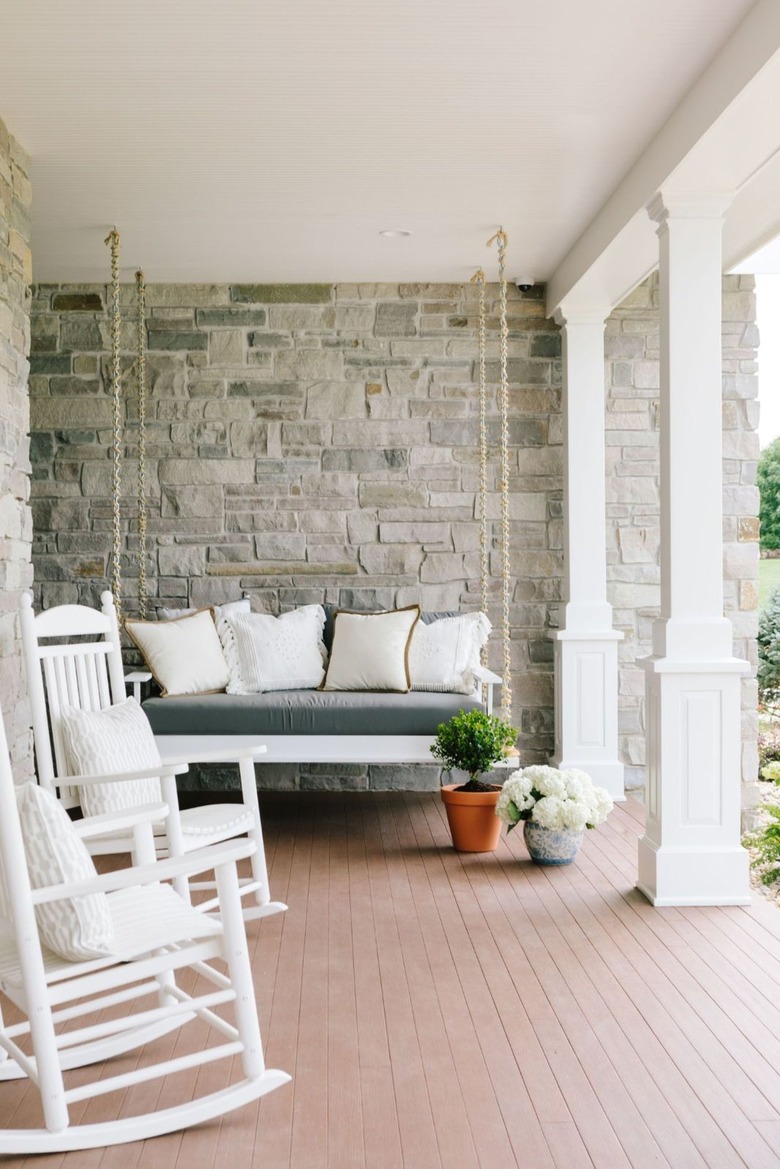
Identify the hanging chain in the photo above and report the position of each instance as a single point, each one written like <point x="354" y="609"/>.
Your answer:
<point x="142" y="518"/>
<point x="501" y="240"/>
<point x="484" y="556"/>
<point x="116" y="387"/>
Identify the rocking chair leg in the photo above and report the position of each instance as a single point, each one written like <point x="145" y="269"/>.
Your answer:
<point x="231" y="915"/>
<point x="259" y="867"/>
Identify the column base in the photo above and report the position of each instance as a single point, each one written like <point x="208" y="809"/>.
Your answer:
<point x="605" y="773"/>
<point x="693" y="876"/>
<point x="586" y="705"/>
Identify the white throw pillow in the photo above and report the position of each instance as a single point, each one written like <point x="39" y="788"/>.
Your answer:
<point x="184" y="655"/>
<point x="443" y="655"/>
<point x="104" y="742"/>
<point x="76" y="928"/>
<point x="371" y="650"/>
<point x="275" y="653"/>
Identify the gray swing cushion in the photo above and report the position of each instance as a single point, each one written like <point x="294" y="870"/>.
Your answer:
<point x="305" y="712"/>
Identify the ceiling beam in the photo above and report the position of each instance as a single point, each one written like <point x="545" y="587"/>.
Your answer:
<point x="720" y="137"/>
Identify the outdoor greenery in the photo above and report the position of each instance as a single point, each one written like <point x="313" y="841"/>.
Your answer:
<point x="473" y="741"/>
<point x="768" y="479"/>
<point x="769" y="648"/>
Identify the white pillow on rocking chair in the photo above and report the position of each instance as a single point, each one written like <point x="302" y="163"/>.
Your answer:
<point x="104" y="742"/>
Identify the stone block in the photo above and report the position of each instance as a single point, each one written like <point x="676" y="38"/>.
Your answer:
<point x="192" y="502"/>
<point x="280" y="546"/>
<point x="249" y="439"/>
<point x="72" y="387"/>
<point x="389" y="495"/>
<point x="181" y="560"/>
<point x="80" y="302"/>
<point x="391" y="560"/>
<point x="309" y="365"/>
<point x="394" y="319"/>
<point x="442" y="566"/>
<point x="200" y="472"/>
<point x="231" y="318"/>
<point x="184" y="340"/>
<point x="226" y="347"/>
<point x="426" y="533"/>
<point x="335" y="400"/>
<point x="282" y="293"/>
<point x="411" y="777"/>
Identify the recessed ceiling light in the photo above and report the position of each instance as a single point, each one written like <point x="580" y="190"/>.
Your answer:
<point x="395" y="233"/>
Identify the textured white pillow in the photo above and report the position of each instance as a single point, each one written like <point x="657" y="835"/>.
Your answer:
<point x="184" y="655"/>
<point x="275" y="653"/>
<point x="442" y="655"/>
<point x="370" y="650"/>
<point x="76" y="928"/>
<point x="103" y="742"/>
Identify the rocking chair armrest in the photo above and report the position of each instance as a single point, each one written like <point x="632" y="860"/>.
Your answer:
<point x="482" y="674"/>
<point x="212" y="755"/>
<point x="136" y="678"/>
<point x="114" y="821"/>
<point x="162" y="770"/>
<point x="199" y="861"/>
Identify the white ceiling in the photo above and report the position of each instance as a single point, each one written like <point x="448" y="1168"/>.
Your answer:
<point x="272" y="141"/>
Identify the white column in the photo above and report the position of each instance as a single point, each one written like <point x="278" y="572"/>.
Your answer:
<point x="586" y="661"/>
<point x="690" y="853"/>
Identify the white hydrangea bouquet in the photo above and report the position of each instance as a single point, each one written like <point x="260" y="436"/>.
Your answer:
<point x="562" y="800"/>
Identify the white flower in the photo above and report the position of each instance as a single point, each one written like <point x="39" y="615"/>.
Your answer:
<point x="548" y="781"/>
<point x="515" y="798"/>
<point x="548" y="811"/>
<point x="575" y="815"/>
<point x="564" y="798"/>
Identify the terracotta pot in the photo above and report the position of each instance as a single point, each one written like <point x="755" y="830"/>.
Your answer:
<point x="474" y="825"/>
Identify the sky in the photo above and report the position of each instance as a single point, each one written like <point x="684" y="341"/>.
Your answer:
<point x="768" y="313"/>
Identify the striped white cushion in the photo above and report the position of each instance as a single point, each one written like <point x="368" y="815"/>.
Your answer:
<point x="76" y="928"/>
<point x="103" y="742"/>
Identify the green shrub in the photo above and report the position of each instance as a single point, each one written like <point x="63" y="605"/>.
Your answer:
<point x="769" y="647"/>
<point x="473" y="742"/>
<point x="768" y="480"/>
<point x="767" y="846"/>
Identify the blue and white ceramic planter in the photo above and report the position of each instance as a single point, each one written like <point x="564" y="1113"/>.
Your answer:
<point x="551" y="846"/>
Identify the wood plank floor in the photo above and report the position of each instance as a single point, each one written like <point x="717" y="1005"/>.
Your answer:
<point x="446" y="1011"/>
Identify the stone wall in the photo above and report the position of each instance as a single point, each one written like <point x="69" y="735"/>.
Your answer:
<point x="310" y="443"/>
<point x="305" y="443"/>
<point x="15" y="519"/>
<point x="632" y="355"/>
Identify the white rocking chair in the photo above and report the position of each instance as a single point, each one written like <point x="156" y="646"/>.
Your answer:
<point x="89" y="675"/>
<point x="84" y="1013"/>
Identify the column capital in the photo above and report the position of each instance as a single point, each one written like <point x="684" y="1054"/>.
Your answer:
<point x="666" y="205"/>
<point x="571" y="314"/>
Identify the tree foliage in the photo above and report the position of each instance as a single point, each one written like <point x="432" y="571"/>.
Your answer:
<point x="473" y="741"/>
<point x="769" y="647"/>
<point x="768" y="479"/>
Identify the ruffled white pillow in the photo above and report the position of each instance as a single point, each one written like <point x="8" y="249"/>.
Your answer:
<point x="443" y="655"/>
<point x="274" y="653"/>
